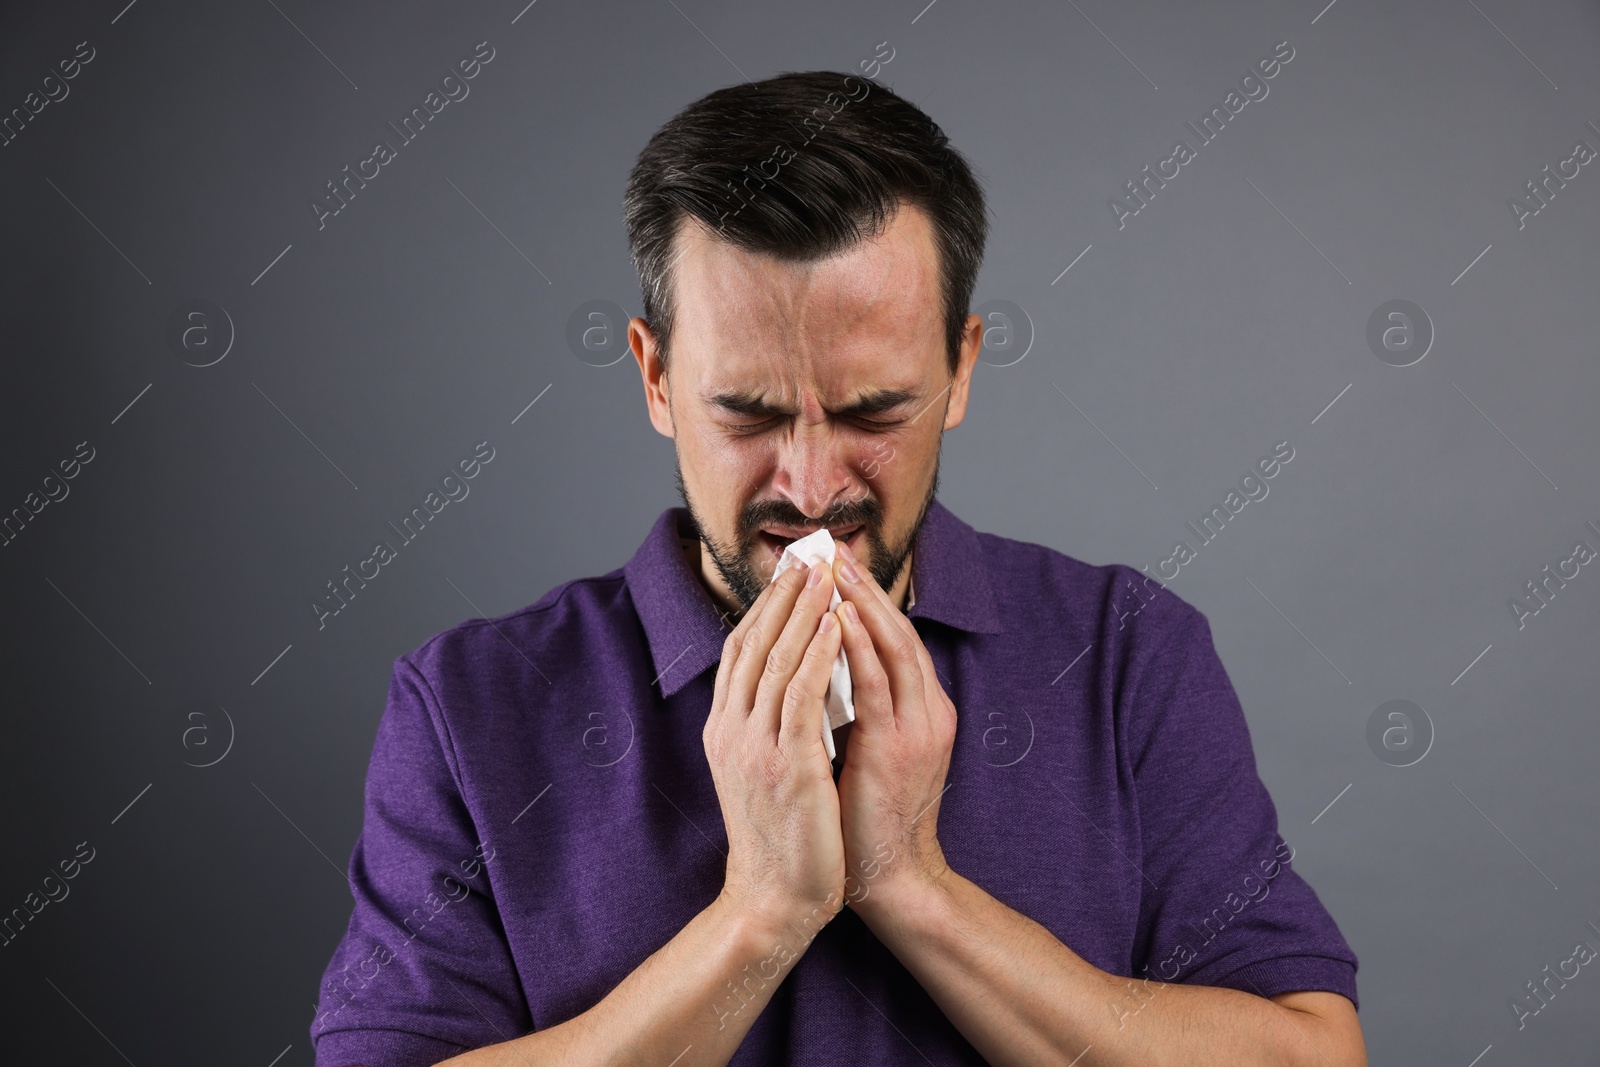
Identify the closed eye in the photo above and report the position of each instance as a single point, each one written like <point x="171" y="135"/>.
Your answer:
<point x="753" y="427"/>
<point x="879" y="402"/>
<point x="768" y="424"/>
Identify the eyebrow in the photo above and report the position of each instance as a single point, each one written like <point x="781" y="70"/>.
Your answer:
<point x="748" y="404"/>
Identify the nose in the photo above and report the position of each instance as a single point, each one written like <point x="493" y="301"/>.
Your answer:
<point x="812" y="473"/>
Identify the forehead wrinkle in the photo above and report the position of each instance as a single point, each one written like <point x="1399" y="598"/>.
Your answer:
<point x="775" y="323"/>
<point x="773" y="351"/>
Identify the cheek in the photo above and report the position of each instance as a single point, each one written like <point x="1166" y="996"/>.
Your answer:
<point x="897" y="463"/>
<point x="741" y="469"/>
<point x="718" y="456"/>
<point x="724" y="474"/>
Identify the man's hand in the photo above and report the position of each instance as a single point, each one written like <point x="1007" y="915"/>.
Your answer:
<point x="1015" y="991"/>
<point x="899" y="751"/>
<point x="763" y="740"/>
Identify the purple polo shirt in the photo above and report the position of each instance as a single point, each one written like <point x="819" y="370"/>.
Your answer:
<point x="540" y="816"/>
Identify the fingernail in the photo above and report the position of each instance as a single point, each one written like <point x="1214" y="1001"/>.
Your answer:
<point x="828" y="619"/>
<point x="850" y="610"/>
<point x="814" y="577"/>
<point x="848" y="572"/>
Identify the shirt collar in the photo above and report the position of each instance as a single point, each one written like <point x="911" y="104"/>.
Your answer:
<point x="685" y="628"/>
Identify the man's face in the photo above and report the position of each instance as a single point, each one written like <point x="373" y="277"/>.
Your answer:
<point x="803" y="395"/>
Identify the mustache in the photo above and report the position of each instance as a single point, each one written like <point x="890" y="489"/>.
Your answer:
<point x="869" y="514"/>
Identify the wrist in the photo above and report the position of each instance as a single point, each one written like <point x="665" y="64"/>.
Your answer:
<point x="766" y="921"/>
<point x="910" y="903"/>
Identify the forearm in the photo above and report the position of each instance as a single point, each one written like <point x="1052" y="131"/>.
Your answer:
<point x="1021" y="997"/>
<point x="698" y="994"/>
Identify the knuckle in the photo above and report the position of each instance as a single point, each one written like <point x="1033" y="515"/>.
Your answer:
<point x="873" y="683"/>
<point x="900" y="646"/>
<point x="714" y="746"/>
<point x="796" y="698"/>
<point x="771" y="766"/>
<point x="812" y="653"/>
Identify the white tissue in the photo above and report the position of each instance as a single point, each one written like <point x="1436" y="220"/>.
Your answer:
<point x="813" y="549"/>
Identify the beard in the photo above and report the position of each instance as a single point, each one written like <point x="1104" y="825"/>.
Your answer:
<point x="736" y="560"/>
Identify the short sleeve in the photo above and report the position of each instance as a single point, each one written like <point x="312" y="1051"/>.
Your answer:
<point x="424" y="971"/>
<point x="1222" y="906"/>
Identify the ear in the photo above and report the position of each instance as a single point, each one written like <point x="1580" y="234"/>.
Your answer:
<point x="657" y="399"/>
<point x="971" y="345"/>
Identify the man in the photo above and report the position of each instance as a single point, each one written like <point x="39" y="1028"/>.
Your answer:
<point x="605" y="829"/>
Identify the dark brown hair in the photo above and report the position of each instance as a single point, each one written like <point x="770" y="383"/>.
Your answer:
<point x="801" y="166"/>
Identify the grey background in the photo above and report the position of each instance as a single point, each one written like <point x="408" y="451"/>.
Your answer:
<point x="1226" y="316"/>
